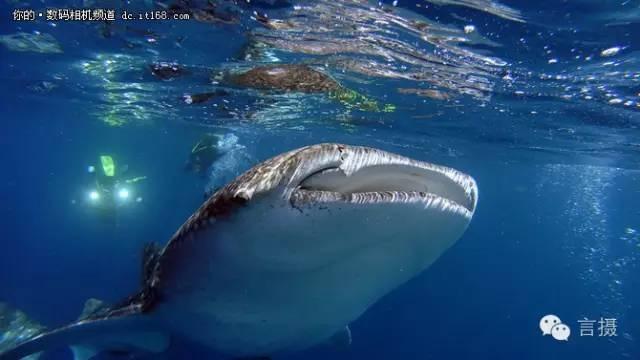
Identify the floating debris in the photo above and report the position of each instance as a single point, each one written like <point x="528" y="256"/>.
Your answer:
<point x="33" y="42"/>
<point x="468" y="29"/>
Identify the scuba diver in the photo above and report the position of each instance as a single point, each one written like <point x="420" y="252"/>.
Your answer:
<point x="218" y="158"/>
<point x="204" y="153"/>
<point x="111" y="190"/>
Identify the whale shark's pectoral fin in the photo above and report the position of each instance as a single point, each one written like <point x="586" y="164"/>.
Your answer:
<point x="88" y="337"/>
<point x="118" y="344"/>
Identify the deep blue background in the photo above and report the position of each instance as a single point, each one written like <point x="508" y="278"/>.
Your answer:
<point x="549" y="227"/>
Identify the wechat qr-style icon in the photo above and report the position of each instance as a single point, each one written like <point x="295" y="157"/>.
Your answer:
<point x="552" y="325"/>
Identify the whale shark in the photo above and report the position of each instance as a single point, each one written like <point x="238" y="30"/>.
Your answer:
<point x="284" y="257"/>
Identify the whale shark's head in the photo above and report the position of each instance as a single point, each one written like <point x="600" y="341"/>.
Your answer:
<point x="336" y="175"/>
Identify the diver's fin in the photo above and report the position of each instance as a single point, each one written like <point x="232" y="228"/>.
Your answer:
<point x="102" y="334"/>
<point x="342" y="338"/>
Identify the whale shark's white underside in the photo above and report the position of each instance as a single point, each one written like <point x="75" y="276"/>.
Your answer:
<point x="287" y="254"/>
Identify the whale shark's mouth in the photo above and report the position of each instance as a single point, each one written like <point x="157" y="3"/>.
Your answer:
<point x="391" y="182"/>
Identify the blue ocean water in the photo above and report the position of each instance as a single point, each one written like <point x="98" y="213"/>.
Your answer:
<point x="538" y="101"/>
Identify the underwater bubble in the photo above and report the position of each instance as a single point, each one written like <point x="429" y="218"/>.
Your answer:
<point x="610" y="51"/>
